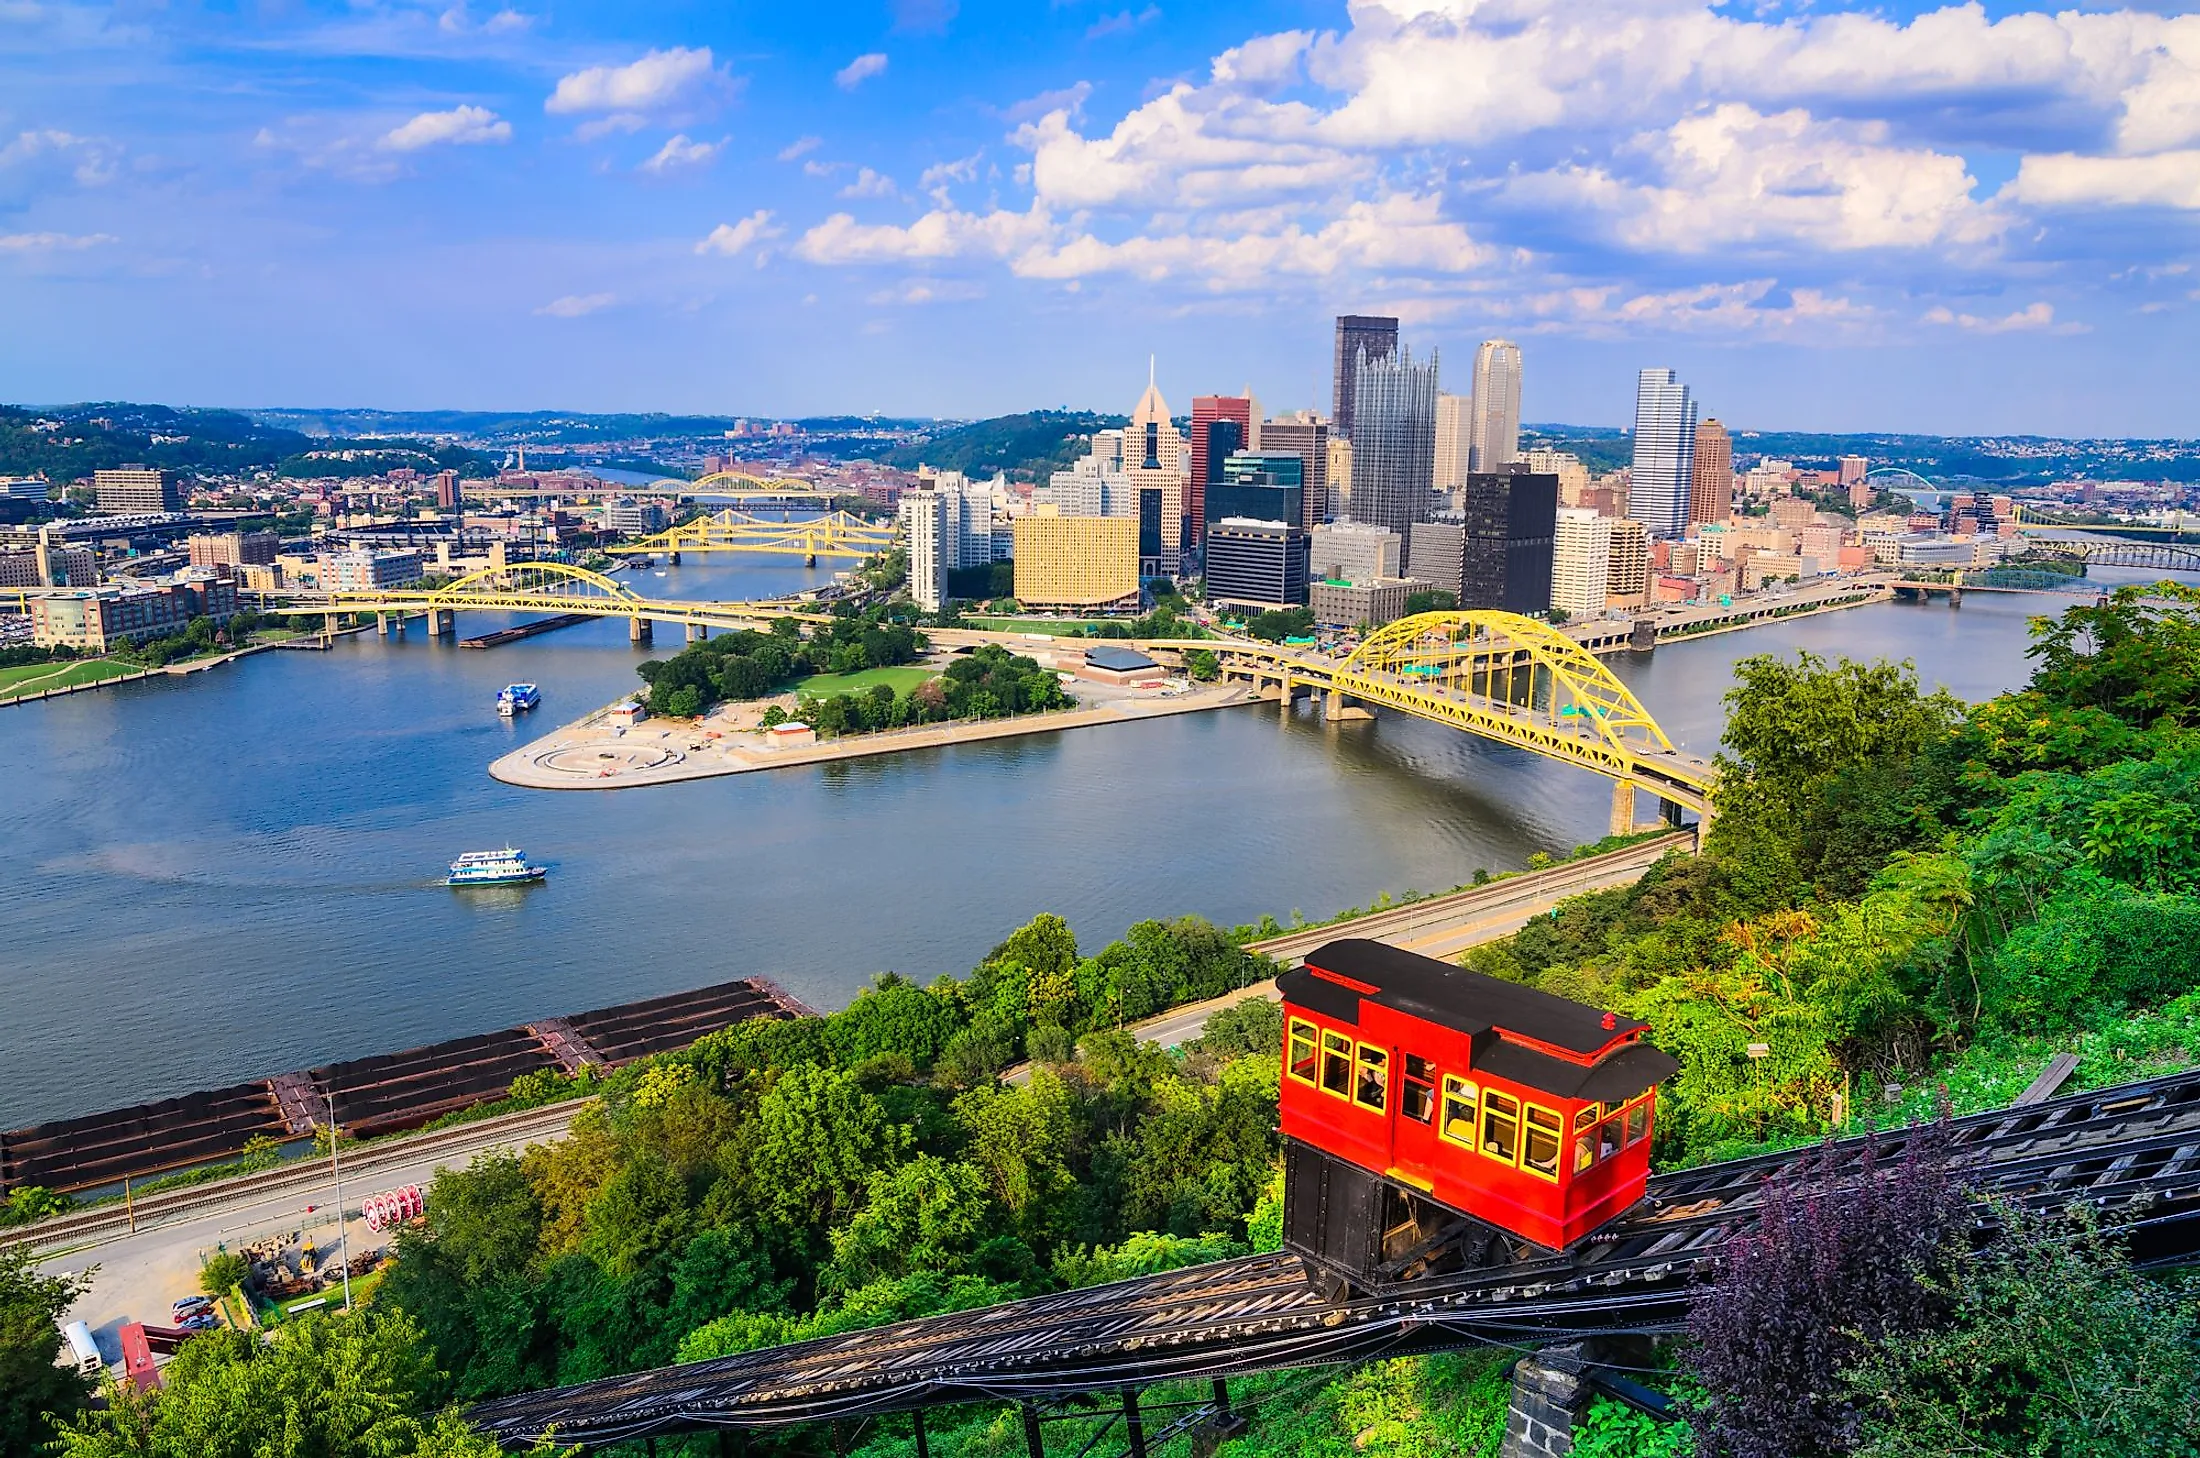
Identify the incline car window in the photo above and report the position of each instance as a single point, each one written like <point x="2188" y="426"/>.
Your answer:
<point x="1459" y="1110"/>
<point x="1337" y="1064"/>
<point x="1302" y="1050"/>
<point x="1539" y="1153"/>
<point x="1374" y="1083"/>
<point x="1638" y="1121"/>
<point x="1500" y="1126"/>
<point x="1417" y="1092"/>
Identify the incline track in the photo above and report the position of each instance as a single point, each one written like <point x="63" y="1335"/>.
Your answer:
<point x="2133" y="1149"/>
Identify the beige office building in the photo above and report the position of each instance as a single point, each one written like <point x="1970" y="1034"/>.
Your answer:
<point x="138" y="489"/>
<point x="1711" y="479"/>
<point x="1454" y="439"/>
<point x="1077" y="563"/>
<point x="1581" y="562"/>
<point x="1627" y="584"/>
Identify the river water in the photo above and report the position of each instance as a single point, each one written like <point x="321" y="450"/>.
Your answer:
<point x="216" y="877"/>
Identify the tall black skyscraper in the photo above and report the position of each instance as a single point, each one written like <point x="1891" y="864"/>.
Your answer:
<point x="1512" y="530"/>
<point x="1357" y="334"/>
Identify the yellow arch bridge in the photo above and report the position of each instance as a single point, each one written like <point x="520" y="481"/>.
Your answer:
<point x="543" y="587"/>
<point x="1502" y="677"/>
<point x="745" y="487"/>
<point x="836" y="534"/>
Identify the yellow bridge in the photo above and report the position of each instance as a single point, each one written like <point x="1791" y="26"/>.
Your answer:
<point x="1502" y="677"/>
<point x="543" y="587"/>
<point x="835" y="535"/>
<point x="749" y="486"/>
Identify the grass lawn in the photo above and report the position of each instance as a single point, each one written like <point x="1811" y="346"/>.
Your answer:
<point x="34" y="678"/>
<point x="1034" y="625"/>
<point x="900" y="679"/>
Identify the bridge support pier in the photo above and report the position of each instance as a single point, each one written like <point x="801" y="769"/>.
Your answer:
<point x="1550" y="1393"/>
<point x="1623" y="807"/>
<point x="697" y="632"/>
<point x="1337" y="708"/>
<point x="809" y="559"/>
<point x="673" y="558"/>
<point x="442" y="622"/>
<point x="330" y="622"/>
<point x="638" y="630"/>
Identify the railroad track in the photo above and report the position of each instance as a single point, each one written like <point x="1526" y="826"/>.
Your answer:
<point x="150" y="1212"/>
<point x="2133" y="1149"/>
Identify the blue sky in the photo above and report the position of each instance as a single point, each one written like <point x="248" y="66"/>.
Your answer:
<point x="1970" y="219"/>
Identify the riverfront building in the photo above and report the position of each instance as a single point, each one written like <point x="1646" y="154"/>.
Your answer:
<point x="370" y="571"/>
<point x="1665" y="453"/>
<point x="1361" y="604"/>
<point x="925" y="520"/>
<point x="1511" y="520"/>
<point x="1627" y="581"/>
<point x="232" y="549"/>
<point x="1256" y="564"/>
<point x="1711" y="477"/>
<point x="97" y="619"/>
<point x="138" y="488"/>
<point x="1394" y="442"/>
<point x="63" y="566"/>
<point x="1077" y="563"/>
<point x="1495" y="440"/>
<point x="1581" y="562"/>
<point x="1355" y="551"/>
<point x="1261" y="486"/>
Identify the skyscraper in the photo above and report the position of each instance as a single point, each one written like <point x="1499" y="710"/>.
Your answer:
<point x="1711" y="478"/>
<point x="1495" y="440"/>
<point x="1358" y="336"/>
<point x="1665" y="453"/>
<point x="1222" y="425"/>
<point x="1511" y="521"/>
<point x="1581" y="562"/>
<point x="1454" y="437"/>
<point x="1394" y="441"/>
<point x="1154" y="457"/>
<point x="927" y="517"/>
<point x="1306" y="436"/>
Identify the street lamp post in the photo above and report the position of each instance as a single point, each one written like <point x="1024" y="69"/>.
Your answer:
<point x="336" y="1169"/>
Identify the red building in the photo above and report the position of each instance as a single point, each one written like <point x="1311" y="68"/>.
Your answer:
<point x="1221" y="425"/>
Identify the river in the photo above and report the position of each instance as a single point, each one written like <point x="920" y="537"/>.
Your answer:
<point x="239" y="872"/>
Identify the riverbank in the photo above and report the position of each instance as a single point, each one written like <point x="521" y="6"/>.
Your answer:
<point x="592" y="754"/>
<point x="74" y="679"/>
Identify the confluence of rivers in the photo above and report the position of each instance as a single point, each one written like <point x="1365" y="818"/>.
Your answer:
<point x="227" y="875"/>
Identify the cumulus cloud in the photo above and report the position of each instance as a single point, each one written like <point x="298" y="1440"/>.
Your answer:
<point x="2039" y="315"/>
<point x="871" y="184"/>
<point x="860" y="70"/>
<point x="2061" y="180"/>
<point x="679" y="152"/>
<point x="461" y="126"/>
<point x="88" y="161"/>
<point x="659" y="81"/>
<point x="731" y="239"/>
<point x="572" y="306"/>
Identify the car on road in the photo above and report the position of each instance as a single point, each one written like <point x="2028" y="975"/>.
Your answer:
<point x="199" y="1321"/>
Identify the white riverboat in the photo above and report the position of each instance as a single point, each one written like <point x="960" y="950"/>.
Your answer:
<point x="506" y="867"/>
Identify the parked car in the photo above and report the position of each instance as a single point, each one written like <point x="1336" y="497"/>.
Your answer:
<point x="199" y="1321"/>
<point x="191" y="1306"/>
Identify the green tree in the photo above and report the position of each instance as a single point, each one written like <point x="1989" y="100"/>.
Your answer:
<point x="223" y="1272"/>
<point x="814" y="1144"/>
<point x="1203" y="665"/>
<point x="33" y="1389"/>
<point x="926" y="1215"/>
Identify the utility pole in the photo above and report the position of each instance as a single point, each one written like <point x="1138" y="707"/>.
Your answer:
<point x="336" y="1168"/>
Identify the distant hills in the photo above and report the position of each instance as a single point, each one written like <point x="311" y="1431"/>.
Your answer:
<point x="66" y="443"/>
<point x="1027" y="446"/>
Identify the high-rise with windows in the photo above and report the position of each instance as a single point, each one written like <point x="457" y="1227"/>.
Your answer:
<point x="1454" y="438"/>
<point x="1665" y="453"/>
<point x="1154" y="459"/>
<point x="1581" y="562"/>
<point x="1494" y="442"/>
<point x="1305" y="435"/>
<point x="1511" y="521"/>
<point x="1222" y="425"/>
<point x="1394" y="441"/>
<point x="928" y="516"/>
<point x="1359" y="336"/>
<point x="1711" y="477"/>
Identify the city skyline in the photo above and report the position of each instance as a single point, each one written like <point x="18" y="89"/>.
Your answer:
<point x="788" y="213"/>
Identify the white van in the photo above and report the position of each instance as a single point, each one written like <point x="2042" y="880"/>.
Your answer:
<point x="84" y="1349"/>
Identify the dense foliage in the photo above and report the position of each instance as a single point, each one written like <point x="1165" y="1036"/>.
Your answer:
<point x="1029" y="446"/>
<point x="98" y="436"/>
<point x="749" y="665"/>
<point x="31" y="1385"/>
<point x="989" y="682"/>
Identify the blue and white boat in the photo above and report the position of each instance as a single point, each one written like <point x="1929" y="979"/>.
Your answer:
<point x="506" y="867"/>
<point x="517" y="698"/>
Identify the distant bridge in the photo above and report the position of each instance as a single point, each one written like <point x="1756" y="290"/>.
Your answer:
<point x="750" y="486"/>
<point x="834" y="535"/>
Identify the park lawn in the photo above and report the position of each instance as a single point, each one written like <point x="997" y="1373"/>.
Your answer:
<point x="34" y="678"/>
<point x="900" y="678"/>
<point x="1033" y="625"/>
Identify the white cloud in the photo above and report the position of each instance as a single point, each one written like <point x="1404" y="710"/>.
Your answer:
<point x="800" y="147"/>
<point x="2040" y="315"/>
<point x="659" y="81"/>
<point x="730" y="239"/>
<point x="1070" y="99"/>
<point x="572" y="306"/>
<point x="1175" y="152"/>
<point x="934" y="182"/>
<point x="2061" y="180"/>
<point x="860" y="70"/>
<point x="937" y="235"/>
<point x="461" y="126"/>
<point x="53" y="242"/>
<point x="871" y="184"/>
<point x="456" y="21"/>
<point x="88" y="160"/>
<point x="679" y="152"/>
<point x="1123" y="22"/>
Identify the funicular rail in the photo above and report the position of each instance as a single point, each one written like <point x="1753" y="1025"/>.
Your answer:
<point x="2134" y="1149"/>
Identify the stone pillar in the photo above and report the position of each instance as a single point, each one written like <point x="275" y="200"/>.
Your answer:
<point x="329" y="624"/>
<point x="442" y="622"/>
<point x="1550" y="1393"/>
<point x="696" y="632"/>
<point x="1283" y="694"/>
<point x="1623" y="807"/>
<point x="638" y="630"/>
<point x="1643" y="637"/>
<point x="673" y="558"/>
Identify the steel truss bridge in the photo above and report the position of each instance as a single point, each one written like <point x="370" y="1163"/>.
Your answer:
<point x="1503" y="677"/>
<point x="546" y="587"/>
<point x="2132" y="1152"/>
<point x="834" y="535"/>
<point x="753" y="486"/>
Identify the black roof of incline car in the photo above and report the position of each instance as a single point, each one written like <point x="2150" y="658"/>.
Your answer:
<point x="1481" y="1007"/>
